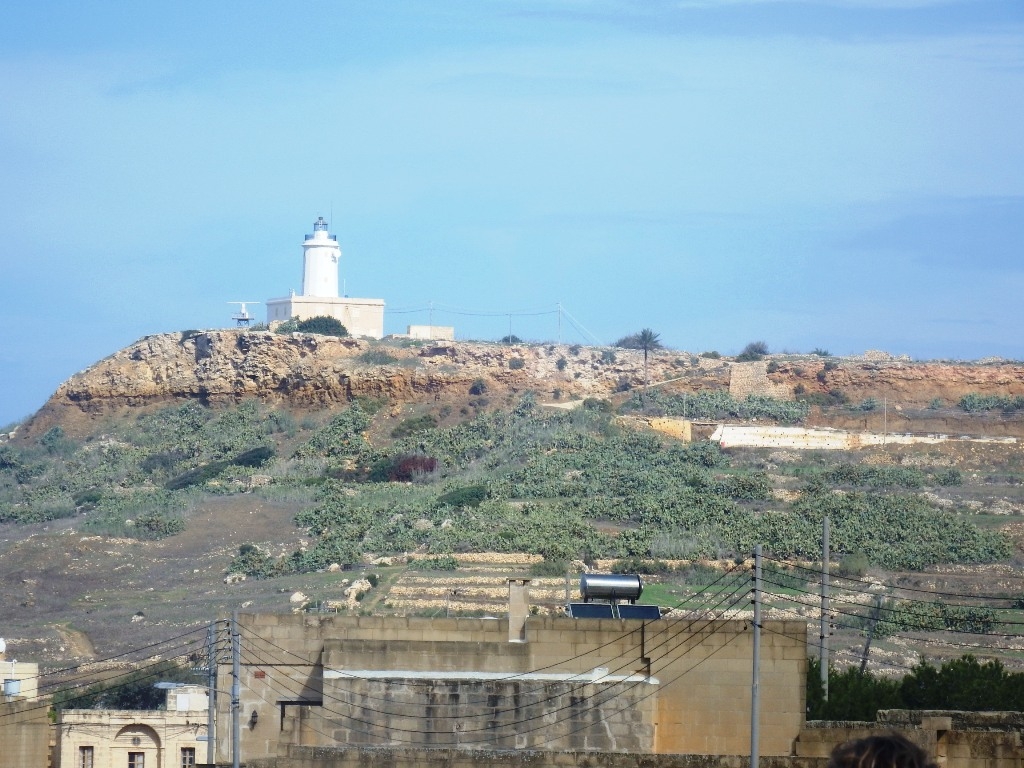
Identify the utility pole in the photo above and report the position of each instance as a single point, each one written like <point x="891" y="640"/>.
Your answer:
<point x="824" y="632"/>
<point x="211" y="691"/>
<point x="755" y="686"/>
<point x="559" y="322"/>
<point x="236" y="663"/>
<point x="876" y="613"/>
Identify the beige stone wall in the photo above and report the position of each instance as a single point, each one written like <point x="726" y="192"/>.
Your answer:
<point x="361" y="317"/>
<point x="954" y="739"/>
<point x="752" y="379"/>
<point x="322" y="757"/>
<point x="322" y="680"/>
<point x="160" y="735"/>
<point x="24" y="734"/>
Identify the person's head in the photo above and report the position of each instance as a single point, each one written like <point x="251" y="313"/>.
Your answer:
<point x="892" y="751"/>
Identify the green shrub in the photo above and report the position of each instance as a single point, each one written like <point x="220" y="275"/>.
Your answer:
<point x="561" y="364"/>
<point x="157" y="526"/>
<point x="936" y="404"/>
<point x="516" y="363"/>
<point x="323" y="325"/>
<point x="549" y="568"/>
<point x="511" y="339"/>
<point x="575" y="349"/>
<point x="255" y="457"/>
<point x="975" y="403"/>
<point x="88" y="497"/>
<point x="468" y="496"/>
<point x="608" y="357"/>
<point x="478" y="387"/>
<point x="402" y="468"/>
<point x="755" y="350"/>
<point x="198" y="476"/>
<point x="868" y="404"/>
<point x="342" y="437"/>
<point x="253" y="561"/>
<point x="773" y="366"/>
<point x="853" y="566"/>
<point x="413" y="425"/>
<point x="712" y="355"/>
<point x="132" y="691"/>
<point x="640" y="566"/>
<point x="699" y="574"/>
<point x="821" y="352"/>
<point x="55" y="441"/>
<point x="440" y="563"/>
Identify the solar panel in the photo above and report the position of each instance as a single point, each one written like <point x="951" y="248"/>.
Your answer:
<point x="591" y="611"/>
<point x="645" y="612"/>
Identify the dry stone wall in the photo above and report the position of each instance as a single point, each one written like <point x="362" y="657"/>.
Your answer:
<point x="752" y="379"/>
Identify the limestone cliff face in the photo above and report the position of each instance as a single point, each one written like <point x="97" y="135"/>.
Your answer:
<point x="312" y="371"/>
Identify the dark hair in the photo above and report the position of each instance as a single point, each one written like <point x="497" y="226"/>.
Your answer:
<point x="892" y="751"/>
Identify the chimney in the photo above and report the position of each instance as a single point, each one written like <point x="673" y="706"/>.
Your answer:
<point x="518" y="609"/>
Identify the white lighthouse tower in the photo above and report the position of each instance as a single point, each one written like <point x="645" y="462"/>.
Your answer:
<point x="320" y="258"/>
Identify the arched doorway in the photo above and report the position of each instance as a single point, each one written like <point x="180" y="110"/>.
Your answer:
<point x="136" y="746"/>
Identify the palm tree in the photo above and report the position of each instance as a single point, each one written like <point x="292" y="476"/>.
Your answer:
<point x="648" y="341"/>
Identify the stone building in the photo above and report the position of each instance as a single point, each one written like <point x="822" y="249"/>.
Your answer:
<point x="540" y="684"/>
<point x="24" y="725"/>
<point x="104" y="738"/>
<point x="321" y="255"/>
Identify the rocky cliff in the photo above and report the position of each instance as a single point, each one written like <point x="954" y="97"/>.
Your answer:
<point x="312" y="371"/>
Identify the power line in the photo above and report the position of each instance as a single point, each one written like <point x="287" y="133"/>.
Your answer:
<point x="817" y="571"/>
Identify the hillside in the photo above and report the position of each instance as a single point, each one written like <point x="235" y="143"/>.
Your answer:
<point x="130" y="500"/>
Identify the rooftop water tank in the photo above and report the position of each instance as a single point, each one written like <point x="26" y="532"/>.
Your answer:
<point x="614" y="586"/>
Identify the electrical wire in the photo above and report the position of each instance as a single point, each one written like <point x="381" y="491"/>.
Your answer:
<point x="901" y="611"/>
<point x="818" y="571"/>
<point x="514" y="723"/>
<point x="584" y="676"/>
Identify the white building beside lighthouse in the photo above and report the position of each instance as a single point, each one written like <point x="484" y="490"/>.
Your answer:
<point x="320" y="257"/>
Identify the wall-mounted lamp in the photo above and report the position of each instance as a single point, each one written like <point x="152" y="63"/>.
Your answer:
<point x="253" y="718"/>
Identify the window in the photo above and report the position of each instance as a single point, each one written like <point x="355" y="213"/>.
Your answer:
<point x="188" y="757"/>
<point x="85" y="757"/>
<point x="136" y="760"/>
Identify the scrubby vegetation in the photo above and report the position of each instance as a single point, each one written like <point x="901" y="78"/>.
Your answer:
<point x="962" y="684"/>
<point x="541" y="480"/>
<point x="566" y="485"/>
<point x="718" y="404"/>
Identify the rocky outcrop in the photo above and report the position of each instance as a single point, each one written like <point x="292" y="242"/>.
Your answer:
<point x="312" y="371"/>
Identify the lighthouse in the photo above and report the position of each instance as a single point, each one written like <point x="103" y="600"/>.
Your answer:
<point x="319" y="297"/>
<point x="320" y="257"/>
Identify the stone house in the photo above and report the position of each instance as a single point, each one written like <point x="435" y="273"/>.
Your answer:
<point x="169" y="738"/>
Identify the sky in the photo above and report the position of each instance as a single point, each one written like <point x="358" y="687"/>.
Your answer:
<point x="835" y="174"/>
